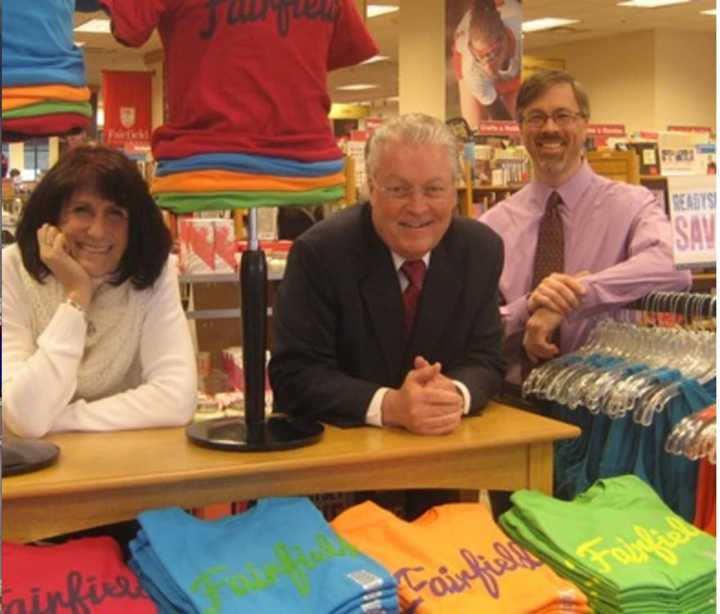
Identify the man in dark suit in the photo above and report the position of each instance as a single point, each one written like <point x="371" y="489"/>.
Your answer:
<point x="346" y="350"/>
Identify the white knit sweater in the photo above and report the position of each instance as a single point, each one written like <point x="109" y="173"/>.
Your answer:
<point x="133" y="368"/>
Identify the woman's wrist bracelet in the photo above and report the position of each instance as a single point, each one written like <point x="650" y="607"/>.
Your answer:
<point x="76" y="305"/>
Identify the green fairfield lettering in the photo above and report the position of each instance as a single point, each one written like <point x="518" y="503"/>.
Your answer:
<point x="650" y="542"/>
<point x="292" y="562"/>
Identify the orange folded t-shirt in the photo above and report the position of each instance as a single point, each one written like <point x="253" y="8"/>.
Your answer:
<point x="226" y="181"/>
<point x="454" y="558"/>
<point x="16" y="97"/>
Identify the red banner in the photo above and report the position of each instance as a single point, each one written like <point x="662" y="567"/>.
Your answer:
<point x="707" y="129"/>
<point x="127" y="99"/>
<point x="497" y="127"/>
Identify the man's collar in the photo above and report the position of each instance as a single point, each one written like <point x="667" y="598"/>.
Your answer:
<point x="570" y="191"/>
<point x="398" y="260"/>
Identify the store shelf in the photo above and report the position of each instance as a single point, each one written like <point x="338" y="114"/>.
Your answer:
<point x="218" y="314"/>
<point x="203" y="278"/>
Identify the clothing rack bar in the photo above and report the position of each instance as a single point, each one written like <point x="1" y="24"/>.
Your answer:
<point x="691" y="304"/>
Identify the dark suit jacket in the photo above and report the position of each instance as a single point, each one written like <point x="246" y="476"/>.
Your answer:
<point x="338" y="318"/>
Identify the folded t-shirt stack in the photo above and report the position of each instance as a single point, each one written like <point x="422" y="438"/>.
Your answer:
<point x="454" y="558"/>
<point x="43" y="90"/>
<point x="215" y="181"/>
<point x="82" y="575"/>
<point x="621" y="545"/>
<point x="279" y="556"/>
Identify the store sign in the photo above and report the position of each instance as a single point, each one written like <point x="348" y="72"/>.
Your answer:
<point x="497" y="128"/>
<point x="607" y="130"/>
<point x="127" y="99"/>
<point x="600" y="133"/>
<point x="692" y="213"/>
<point x="702" y="129"/>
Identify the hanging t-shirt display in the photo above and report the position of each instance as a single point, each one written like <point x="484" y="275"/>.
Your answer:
<point x="246" y="77"/>
<point x="84" y="575"/>
<point x="37" y="44"/>
<point x="454" y="558"/>
<point x="278" y="556"/>
<point x="43" y="72"/>
<point x="621" y="545"/>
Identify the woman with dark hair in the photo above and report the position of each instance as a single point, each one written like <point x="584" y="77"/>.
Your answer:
<point x="94" y="335"/>
<point x="487" y="58"/>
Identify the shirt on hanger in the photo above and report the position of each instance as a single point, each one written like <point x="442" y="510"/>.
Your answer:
<point x="247" y="77"/>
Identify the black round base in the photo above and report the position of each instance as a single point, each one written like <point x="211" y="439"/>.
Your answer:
<point x="276" y="433"/>
<point x="26" y="455"/>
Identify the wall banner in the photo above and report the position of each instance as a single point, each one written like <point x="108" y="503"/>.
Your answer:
<point x="484" y="59"/>
<point x="127" y="97"/>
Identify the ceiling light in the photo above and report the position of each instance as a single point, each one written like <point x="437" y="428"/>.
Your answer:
<point x="651" y="4"/>
<point x="95" y="25"/>
<point x="79" y="43"/>
<point x="709" y="12"/>
<point x="376" y="58"/>
<point x="374" y="10"/>
<point x="357" y="87"/>
<point x="546" y="23"/>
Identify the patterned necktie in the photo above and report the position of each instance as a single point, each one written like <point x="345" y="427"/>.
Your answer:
<point x="550" y="252"/>
<point x="414" y="271"/>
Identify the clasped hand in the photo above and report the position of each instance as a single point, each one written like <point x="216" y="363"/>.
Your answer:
<point x="427" y="403"/>
<point x="550" y="303"/>
<point x="56" y="256"/>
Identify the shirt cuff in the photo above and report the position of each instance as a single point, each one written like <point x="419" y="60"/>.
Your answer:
<point x="515" y="315"/>
<point x="65" y="333"/>
<point x="466" y="396"/>
<point x="373" y="416"/>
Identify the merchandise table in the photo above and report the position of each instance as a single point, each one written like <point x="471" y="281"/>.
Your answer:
<point x="109" y="477"/>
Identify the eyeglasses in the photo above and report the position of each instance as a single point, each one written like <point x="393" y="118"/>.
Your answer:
<point x="561" y="117"/>
<point x="487" y="54"/>
<point x="404" y="192"/>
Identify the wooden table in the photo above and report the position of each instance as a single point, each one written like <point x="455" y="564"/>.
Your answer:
<point x="108" y="477"/>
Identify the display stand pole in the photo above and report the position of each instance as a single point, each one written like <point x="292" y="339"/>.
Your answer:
<point x="256" y="433"/>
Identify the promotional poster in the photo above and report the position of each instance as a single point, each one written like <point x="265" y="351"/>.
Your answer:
<point x="484" y="52"/>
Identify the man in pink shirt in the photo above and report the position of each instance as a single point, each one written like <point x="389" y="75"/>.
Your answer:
<point x="614" y="238"/>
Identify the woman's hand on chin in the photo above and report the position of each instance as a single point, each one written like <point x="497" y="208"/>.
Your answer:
<point x="55" y="254"/>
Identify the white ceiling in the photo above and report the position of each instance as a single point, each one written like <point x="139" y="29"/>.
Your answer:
<point x="598" y="18"/>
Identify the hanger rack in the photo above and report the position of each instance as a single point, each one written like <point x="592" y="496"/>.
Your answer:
<point x="691" y="304"/>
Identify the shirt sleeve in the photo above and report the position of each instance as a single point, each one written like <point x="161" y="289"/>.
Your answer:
<point x="373" y="417"/>
<point x="515" y="315"/>
<point x="39" y="378"/>
<point x="648" y="268"/>
<point x="133" y="22"/>
<point x="351" y="42"/>
<point x="481" y="86"/>
<point x="167" y="396"/>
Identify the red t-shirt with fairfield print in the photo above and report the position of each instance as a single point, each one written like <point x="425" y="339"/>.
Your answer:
<point x="246" y="77"/>
<point x="83" y="575"/>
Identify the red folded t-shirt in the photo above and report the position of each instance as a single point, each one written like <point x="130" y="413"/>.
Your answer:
<point x="85" y="575"/>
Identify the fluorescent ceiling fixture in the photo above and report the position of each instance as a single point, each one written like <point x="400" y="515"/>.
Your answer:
<point x="358" y="87"/>
<point x="546" y="23"/>
<point x="651" y="4"/>
<point x="709" y="12"/>
<point x="374" y="10"/>
<point x="376" y="58"/>
<point x="95" y="25"/>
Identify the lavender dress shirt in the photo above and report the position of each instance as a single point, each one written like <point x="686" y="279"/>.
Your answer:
<point x="616" y="231"/>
